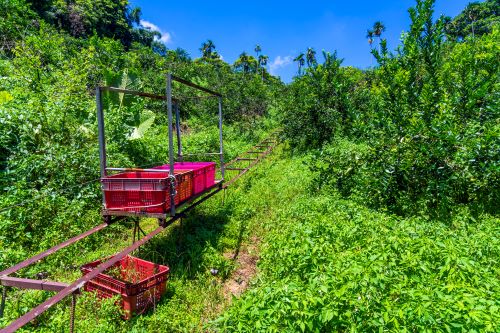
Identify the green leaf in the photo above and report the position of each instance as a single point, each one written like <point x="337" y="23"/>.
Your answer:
<point x="143" y="127"/>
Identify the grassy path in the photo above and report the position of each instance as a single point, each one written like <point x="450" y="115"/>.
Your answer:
<point x="288" y="259"/>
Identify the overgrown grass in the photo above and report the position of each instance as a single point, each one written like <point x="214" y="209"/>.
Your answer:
<point x="327" y="264"/>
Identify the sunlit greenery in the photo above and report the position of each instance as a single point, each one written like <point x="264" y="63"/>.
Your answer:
<point x="377" y="212"/>
<point x="428" y="112"/>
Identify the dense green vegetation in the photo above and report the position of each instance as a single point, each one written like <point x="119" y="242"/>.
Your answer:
<point x="423" y="125"/>
<point x="379" y="212"/>
<point x="477" y="19"/>
<point x="329" y="264"/>
<point x="49" y="148"/>
<point x="416" y="139"/>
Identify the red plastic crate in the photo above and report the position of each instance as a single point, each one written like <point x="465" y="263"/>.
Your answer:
<point x="145" y="191"/>
<point x="148" y="283"/>
<point x="203" y="173"/>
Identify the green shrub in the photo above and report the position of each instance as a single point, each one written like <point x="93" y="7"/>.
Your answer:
<point x="427" y="118"/>
<point x="334" y="265"/>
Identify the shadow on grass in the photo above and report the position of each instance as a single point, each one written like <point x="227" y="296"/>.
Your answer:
<point x="183" y="245"/>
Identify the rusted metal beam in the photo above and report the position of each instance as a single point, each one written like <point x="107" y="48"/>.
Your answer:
<point x="136" y="93"/>
<point x="9" y="281"/>
<point x="42" y="255"/>
<point x="35" y="312"/>
<point x="2" y="302"/>
<point x="72" y="314"/>
<point x="262" y="155"/>
<point x="248" y="159"/>
<point x="235" y="178"/>
<point x="196" y="86"/>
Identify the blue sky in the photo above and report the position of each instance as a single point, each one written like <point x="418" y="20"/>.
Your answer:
<point x="282" y="28"/>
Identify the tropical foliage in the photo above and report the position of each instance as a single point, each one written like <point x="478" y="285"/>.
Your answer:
<point x="429" y="114"/>
<point x="477" y="19"/>
<point x="49" y="152"/>
<point x="378" y="212"/>
<point x="333" y="265"/>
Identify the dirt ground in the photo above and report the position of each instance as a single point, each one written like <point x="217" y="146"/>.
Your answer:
<point x="246" y="268"/>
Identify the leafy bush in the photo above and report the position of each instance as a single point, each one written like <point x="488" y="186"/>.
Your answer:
<point x="333" y="265"/>
<point x="428" y="115"/>
<point x="319" y="104"/>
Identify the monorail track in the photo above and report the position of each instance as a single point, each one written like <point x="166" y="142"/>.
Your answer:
<point x="238" y="167"/>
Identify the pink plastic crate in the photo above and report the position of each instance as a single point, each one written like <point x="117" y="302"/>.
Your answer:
<point x="145" y="191"/>
<point x="203" y="173"/>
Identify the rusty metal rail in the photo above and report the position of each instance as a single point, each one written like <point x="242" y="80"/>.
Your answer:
<point x="64" y="290"/>
<point x="8" y="281"/>
<point x="233" y="165"/>
<point x="44" y="254"/>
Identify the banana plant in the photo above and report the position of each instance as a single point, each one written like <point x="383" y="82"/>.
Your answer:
<point x="143" y="119"/>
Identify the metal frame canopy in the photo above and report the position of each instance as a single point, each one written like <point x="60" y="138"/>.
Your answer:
<point x="171" y="104"/>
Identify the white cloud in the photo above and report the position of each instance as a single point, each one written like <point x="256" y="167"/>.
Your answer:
<point x="166" y="37"/>
<point x="279" y="62"/>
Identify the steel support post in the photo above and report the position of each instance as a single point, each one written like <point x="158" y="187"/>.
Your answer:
<point x="100" y="126"/>
<point x="72" y="313"/>
<point x="221" y="148"/>
<point x="2" y="304"/>
<point x="178" y="132"/>
<point x="102" y="138"/>
<point x="171" y="145"/>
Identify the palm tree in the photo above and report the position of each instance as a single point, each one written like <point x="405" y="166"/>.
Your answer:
<point x="369" y="35"/>
<point x="208" y="49"/>
<point x="378" y="29"/>
<point x="300" y="62"/>
<point x="245" y="62"/>
<point x="262" y="61"/>
<point x="257" y="50"/>
<point x="135" y="15"/>
<point x="182" y="55"/>
<point x="311" y="57"/>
